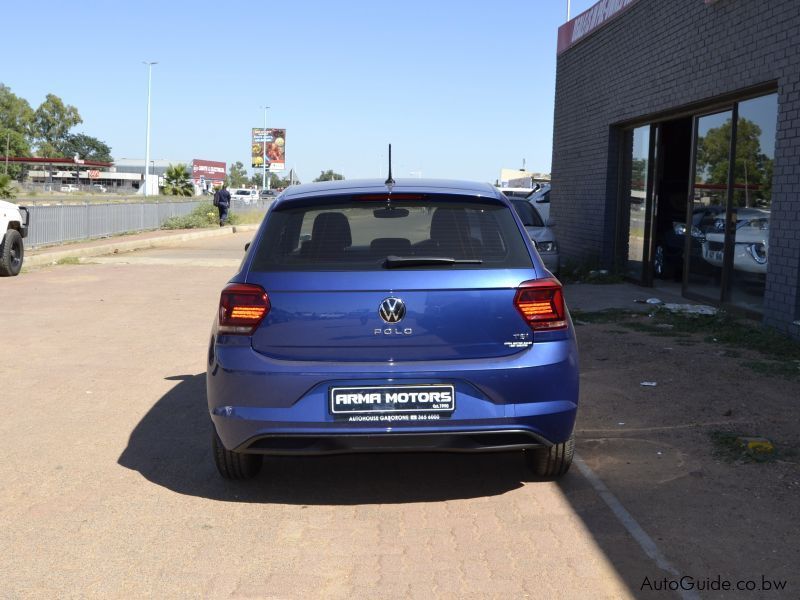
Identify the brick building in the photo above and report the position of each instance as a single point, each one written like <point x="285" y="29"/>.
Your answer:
<point x="676" y="148"/>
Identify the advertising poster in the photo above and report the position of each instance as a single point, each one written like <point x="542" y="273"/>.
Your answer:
<point x="209" y="172"/>
<point x="275" y="140"/>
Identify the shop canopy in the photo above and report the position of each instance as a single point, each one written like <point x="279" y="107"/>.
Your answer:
<point x="55" y="162"/>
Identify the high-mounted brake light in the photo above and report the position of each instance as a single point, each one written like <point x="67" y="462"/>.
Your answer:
<point x="242" y="306"/>
<point x="541" y="304"/>
<point x="392" y="197"/>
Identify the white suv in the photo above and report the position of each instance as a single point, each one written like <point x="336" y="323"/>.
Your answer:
<point x="13" y="227"/>
<point x="244" y="195"/>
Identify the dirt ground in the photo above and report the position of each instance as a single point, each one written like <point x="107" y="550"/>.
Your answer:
<point x="654" y="446"/>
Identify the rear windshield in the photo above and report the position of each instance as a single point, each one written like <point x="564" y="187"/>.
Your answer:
<point x="527" y="213"/>
<point x="356" y="234"/>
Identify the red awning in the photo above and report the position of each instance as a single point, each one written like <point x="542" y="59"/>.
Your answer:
<point x="59" y="162"/>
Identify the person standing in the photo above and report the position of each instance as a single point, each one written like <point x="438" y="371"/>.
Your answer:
<point x="222" y="200"/>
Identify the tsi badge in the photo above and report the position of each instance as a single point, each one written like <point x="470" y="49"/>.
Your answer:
<point x="392" y="310"/>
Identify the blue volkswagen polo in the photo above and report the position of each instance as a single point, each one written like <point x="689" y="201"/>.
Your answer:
<point x="373" y="316"/>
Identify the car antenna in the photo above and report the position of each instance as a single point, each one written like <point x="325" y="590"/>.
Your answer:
<point x="389" y="180"/>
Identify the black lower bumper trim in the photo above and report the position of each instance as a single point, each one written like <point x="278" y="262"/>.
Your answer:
<point x="473" y="441"/>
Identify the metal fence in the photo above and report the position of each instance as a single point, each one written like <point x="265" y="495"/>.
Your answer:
<point x="59" y="223"/>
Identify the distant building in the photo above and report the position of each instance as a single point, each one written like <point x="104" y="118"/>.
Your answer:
<point x="124" y="175"/>
<point x="521" y="178"/>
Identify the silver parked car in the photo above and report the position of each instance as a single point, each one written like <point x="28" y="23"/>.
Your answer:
<point x="542" y="235"/>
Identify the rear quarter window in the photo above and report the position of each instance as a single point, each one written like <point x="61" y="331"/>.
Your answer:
<point x="348" y="233"/>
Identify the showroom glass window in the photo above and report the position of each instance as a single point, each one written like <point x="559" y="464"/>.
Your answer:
<point x="709" y="198"/>
<point x="638" y="178"/>
<point x="751" y="200"/>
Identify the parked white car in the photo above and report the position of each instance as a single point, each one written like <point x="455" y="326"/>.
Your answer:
<point x="245" y="196"/>
<point x="543" y="237"/>
<point x="69" y="188"/>
<point x="751" y="241"/>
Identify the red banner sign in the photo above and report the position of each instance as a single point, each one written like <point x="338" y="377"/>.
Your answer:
<point x="209" y="170"/>
<point x="575" y="30"/>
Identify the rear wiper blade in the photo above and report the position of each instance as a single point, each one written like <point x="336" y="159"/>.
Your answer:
<point x="421" y="261"/>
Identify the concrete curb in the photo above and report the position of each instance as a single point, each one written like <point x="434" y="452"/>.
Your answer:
<point x="52" y="256"/>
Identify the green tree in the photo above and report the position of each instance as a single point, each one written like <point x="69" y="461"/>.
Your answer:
<point x="17" y="144"/>
<point x="274" y="181"/>
<point x="752" y="166"/>
<point x="87" y="147"/>
<point x="16" y="117"/>
<point x="52" y="122"/>
<point x="15" y="112"/>
<point x="237" y="174"/>
<point x="177" y="181"/>
<point x="7" y="189"/>
<point x="329" y="175"/>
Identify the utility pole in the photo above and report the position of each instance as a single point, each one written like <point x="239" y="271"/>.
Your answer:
<point x="264" y="183"/>
<point x="8" y="142"/>
<point x="147" y="149"/>
<point x="568" y="3"/>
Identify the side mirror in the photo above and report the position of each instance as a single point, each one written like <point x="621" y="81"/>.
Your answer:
<point x="247" y="246"/>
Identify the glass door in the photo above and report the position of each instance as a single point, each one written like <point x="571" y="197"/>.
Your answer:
<point x="705" y="247"/>
<point x="751" y="202"/>
<point x="637" y="180"/>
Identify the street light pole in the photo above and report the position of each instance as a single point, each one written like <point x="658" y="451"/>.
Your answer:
<point x="264" y="156"/>
<point x="568" y="3"/>
<point x="147" y="149"/>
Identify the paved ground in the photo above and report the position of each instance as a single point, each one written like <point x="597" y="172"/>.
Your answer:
<point x="109" y="490"/>
<point x="109" y="487"/>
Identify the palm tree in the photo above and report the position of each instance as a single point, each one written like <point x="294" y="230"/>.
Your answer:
<point x="7" y="191"/>
<point x="177" y="182"/>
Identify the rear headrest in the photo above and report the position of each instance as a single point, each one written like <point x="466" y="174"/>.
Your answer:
<point x="449" y="224"/>
<point x="390" y="246"/>
<point x="331" y="230"/>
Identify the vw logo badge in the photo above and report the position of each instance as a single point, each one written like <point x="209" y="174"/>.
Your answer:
<point x="392" y="310"/>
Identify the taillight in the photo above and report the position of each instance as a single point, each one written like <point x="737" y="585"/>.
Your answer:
<point x="541" y="304"/>
<point x="242" y="306"/>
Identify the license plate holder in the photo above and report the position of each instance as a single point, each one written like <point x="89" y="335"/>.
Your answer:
<point x="392" y="399"/>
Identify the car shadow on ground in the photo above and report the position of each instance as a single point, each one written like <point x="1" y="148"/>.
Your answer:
<point x="170" y="446"/>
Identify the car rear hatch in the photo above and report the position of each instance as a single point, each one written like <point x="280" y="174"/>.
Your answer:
<point x="417" y="277"/>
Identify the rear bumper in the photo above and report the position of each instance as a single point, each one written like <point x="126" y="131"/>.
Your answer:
<point x="500" y="440"/>
<point x="261" y="405"/>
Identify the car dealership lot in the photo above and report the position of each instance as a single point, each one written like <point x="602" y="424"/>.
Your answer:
<point x="109" y="487"/>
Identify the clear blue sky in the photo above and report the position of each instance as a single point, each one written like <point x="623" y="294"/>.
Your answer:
<point x="459" y="89"/>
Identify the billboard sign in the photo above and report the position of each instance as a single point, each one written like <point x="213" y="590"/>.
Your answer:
<point x="208" y="171"/>
<point x="275" y="140"/>
<point x="588" y="21"/>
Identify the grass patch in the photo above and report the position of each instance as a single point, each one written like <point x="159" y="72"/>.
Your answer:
<point x="725" y="446"/>
<point x="69" y="260"/>
<point x="250" y="218"/>
<point x="781" y="353"/>
<point x="788" y="369"/>
<point x="205" y="215"/>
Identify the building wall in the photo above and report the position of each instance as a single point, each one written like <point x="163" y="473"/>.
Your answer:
<point x="659" y="57"/>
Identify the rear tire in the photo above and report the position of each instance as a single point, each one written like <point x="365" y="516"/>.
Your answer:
<point x="11" y="253"/>
<point x="234" y="465"/>
<point x="551" y="462"/>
